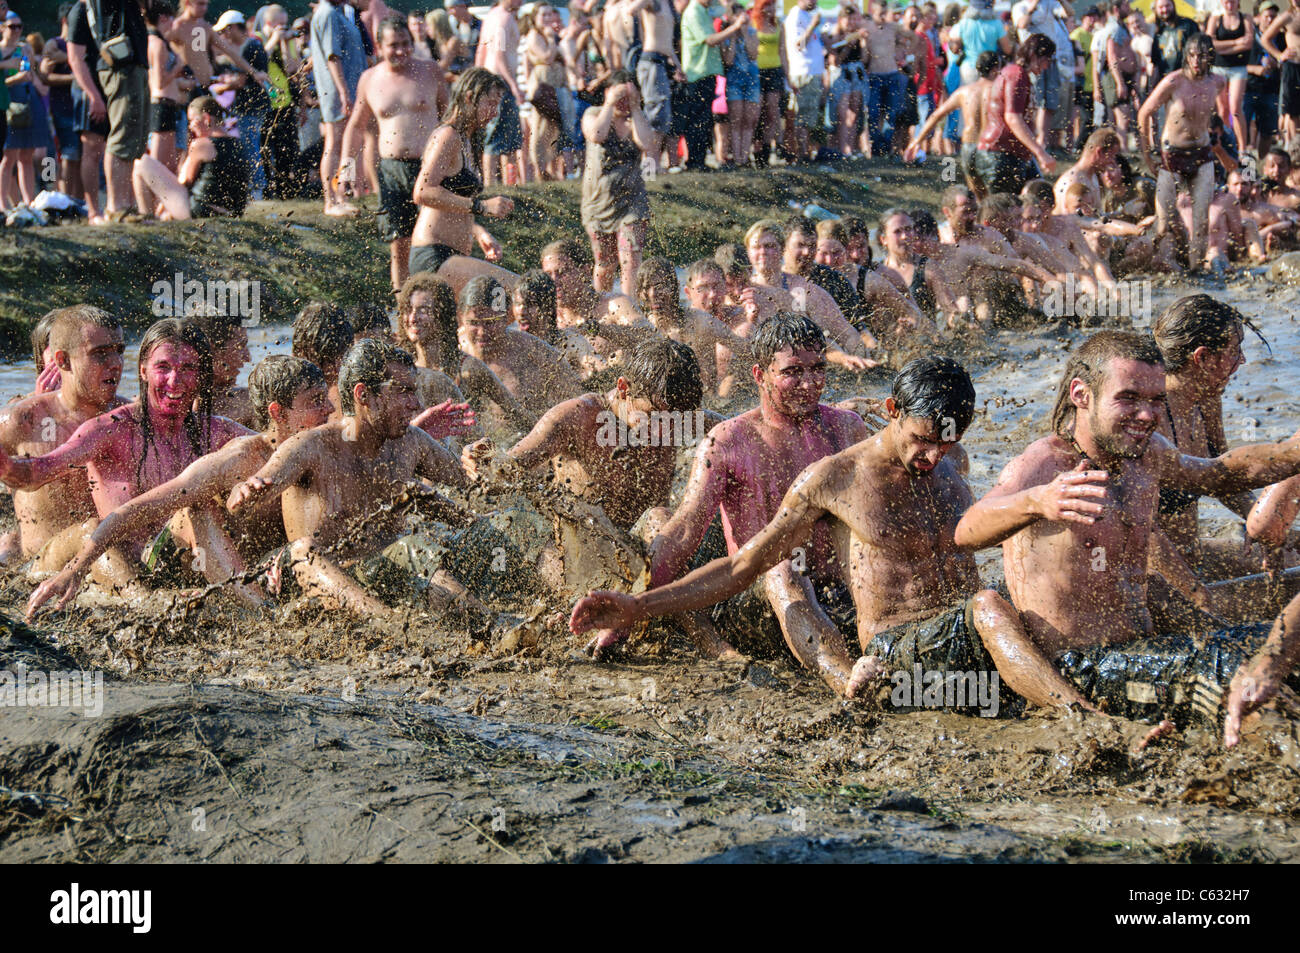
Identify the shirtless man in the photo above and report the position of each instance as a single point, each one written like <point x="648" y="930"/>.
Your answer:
<point x="886" y="84"/>
<point x="1288" y="58"/>
<point x="894" y="500"/>
<point x="228" y="339"/>
<point x="194" y="39"/>
<point x="1075" y="514"/>
<point x="1231" y="235"/>
<point x="578" y="304"/>
<point x="534" y="373"/>
<point x="741" y="472"/>
<point x="619" y="26"/>
<point x="1007" y="148"/>
<point x="799" y="258"/>
<point x="1185" y="157"/>
<point x="399" y="100"/>
<point x="656" y="68"/>
<point x="1002" y="213"/>
<point x="130" y="450"/>
<point x="765" y="243"/>
<point x="1062" y="233"/>
<point x="972" y="99"/>
<point x="289" y="396"/>
<point x="87" y="352"/>
<point x="346" y="474"/>
<point x="1276" y="190"/>
<point x="1098" y="153"/>
<point x="1273" y="224"/>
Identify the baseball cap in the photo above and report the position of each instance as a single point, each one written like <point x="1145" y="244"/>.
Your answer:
<point x="230" y="18"/>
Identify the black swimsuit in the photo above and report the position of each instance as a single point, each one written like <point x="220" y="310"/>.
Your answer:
<point x="1172" y="501"/>
<point x="920" y="290"/>
<point x="466" y="183"/>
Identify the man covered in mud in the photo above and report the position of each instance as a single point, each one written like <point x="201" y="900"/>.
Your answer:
<point x="322" y="334"/>
<point x="288" y="395"/>
<point x="567" y="262"/>
<point x="1075" y="514"/>
<point x="130" y="450"/>
<point x="740" y="474"/>
<point x="1185" y="157"/>
<point x="893" y="499"/>
<point x="86" y="345"/>
<point x="1063" y="232"/>
<point x="339" y="482"/>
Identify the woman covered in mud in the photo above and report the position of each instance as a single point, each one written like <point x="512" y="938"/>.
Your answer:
<point x="449" y="185"/>
<point x="214" y="175"/>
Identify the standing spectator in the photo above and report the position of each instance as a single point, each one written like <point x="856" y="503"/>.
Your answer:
<point x="1233" y="34"/>
<point x="58" y="77"/>
<point x="1053" y="91"/>
<point x="615" y="208"/>
<point x="424" y="48"/>
<point x="166" y="102"/>
<point x="450" y="47"/>
<point x="467" y="28"/>
<point x="656" y="69"/>
<point x="252" y="105"/>
<point x="742" y="90"/>
<point x="498" y="52"/>
<point x="886" y="84"/>
<point x="91" y="113"/>
<point x="1081" y="37"/>
<point x="1003" y="158"/>
<point x="980" y="31"/>
<point x="1263" y="87"/>
<point x="26" y="99"/>
<point x="546" y="88"/>
<point x="771" y="76"/>
<point x="1287" y="57"/>
<point x="847" y="91"/>
<point x="1114" y="69"/>
<point x="1172" y="33"/>
<point x="338" y="60"/>
<point x="702" y="64"/>
<point x="1143" y="46"/>
<point x="805" y="55"/>
<point x="284" y="172"/>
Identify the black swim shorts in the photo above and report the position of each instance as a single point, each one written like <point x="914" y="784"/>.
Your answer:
<point x="397" y="208"/>
<point x="429" y="258"/>
<point x="165" y="115"/>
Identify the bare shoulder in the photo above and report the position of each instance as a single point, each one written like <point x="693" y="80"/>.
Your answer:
<point x="20" y="416"/>
<point x="846" y="424"/>
<point x="1040" y="463"/>
<point x="224" y="430"/>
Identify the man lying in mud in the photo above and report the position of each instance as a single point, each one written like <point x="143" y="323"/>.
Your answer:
<point x="1075" y="514"/>
<point x="87" y="351"/>
<point x="893" y="500"/>
<point x="740" y="474"/>
<point x="135" y="448"/>
<point x="338" y="484"/>
<point x="288" y="395"/>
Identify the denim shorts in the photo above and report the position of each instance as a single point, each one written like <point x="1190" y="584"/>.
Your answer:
<point x="742" y="83"/>
<point x="1231" y="72"/>
<point x="68" y="139"/>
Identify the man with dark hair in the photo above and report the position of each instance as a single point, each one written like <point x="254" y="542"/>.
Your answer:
<point x="971" y="99"/>
<point x="86" y="348"/>
<point x="1005" y="155"/>
<point x="1273" y="185"/>
<point x="1173" y="30"/>
<point x="894" y="499"/>
<point x="347" y="474"/>
<point x="288" y="395"/>
<point x="1076" y="516"/>
<point x="130" y="450"/>
<point x="741" y="472"/>
<point x="322" y="334"/>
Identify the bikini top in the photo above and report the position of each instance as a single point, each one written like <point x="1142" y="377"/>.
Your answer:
<point x="171" y="54"/>
<point x="920" y="290"/>
<point x="465" y="183"/>
<point x="1174" y="501"/>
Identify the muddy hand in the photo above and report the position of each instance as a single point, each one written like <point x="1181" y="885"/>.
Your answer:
<point x="241" y="494"/>
<point x="866" y="669"/>
<point x="603" y="609"/>
<point x="62" y="588"/>
<point x="445" y="420"/>
<point x="1162" y="730"/>
<point x="1249" y="690"/>
<point x="1074" y="496"/>
<point x="605" y="640"/>
<point x="474" y="456"/>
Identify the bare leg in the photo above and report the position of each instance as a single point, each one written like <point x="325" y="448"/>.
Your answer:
<point x="214" y="554"/>
<point x="151" y="176"/>
<point x="119" y="173"/>
<point x="631" y="239"/>
<point x="1028" y="672"/>
<point x="459" y="269"/>
<point x="604" y="250"/>
<point x="26" y="176"/>
<point x="811" y="636"/>
<point x="92" y="161"/>
<point x="320" y="576"/>
<point x="399" y="258"/>
<point x="1166" y="202"/>
<point x="62" y="546"/>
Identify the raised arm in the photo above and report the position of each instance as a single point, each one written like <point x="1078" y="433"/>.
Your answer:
<point x="1244" y="468"/>
<point x="1274" y="513"/>
<point x="1019" y="499"/>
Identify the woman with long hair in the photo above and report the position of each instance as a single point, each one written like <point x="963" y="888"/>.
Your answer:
<point x="27" y="97"/>
<point x="742" y="89"/>
<point x="1233" y="34"/>
<point x="449" y="184"/>
<point x="451" y="48"/>
<point x="771" y="76"/>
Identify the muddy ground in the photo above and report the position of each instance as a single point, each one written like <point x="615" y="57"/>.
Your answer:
<point x="306" y="735"/>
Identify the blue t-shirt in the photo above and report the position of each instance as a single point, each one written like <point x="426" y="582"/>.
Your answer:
<point x="334" y="34"/>
<point x="978" y="36"/>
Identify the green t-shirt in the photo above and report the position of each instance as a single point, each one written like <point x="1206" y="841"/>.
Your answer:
<point x="698" y="58"/>
<point x="1083" y="40"/>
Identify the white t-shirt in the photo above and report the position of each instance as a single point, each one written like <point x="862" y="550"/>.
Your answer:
<point x="810" y="61"/>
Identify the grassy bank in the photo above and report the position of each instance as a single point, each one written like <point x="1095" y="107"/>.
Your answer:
<point x="299" y="255"/>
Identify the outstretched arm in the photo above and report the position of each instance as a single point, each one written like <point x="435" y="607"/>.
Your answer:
<point x="92" y="438"/>
<point x="287" y="465"/>
<point x="1244" y="468"/>
<point x="553" y="434"/>
<point x="1276" y="510"/>
<point x="1074" y="496"/>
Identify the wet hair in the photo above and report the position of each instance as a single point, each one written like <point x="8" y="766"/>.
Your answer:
<point x="207" y="106"/>
<point x="733" y="260"/>
<point x="1035" y="45"/>
<point x="924" y="224"/>
<point x="786" y="329"/>
<point x="1089" y="363"/>
<point x="988" y="63"/>
<point x="937" y="389"/>
<point x="666" y="372"/>
<point x="1200" y="42"/>
<point x="885" y="216"/>
<point x="462" y="111"/>
<point x="798" y="225"/>
<point x="484" y="291"/>
<point x="952" y="193"/>
<point x="279" y="379"/>
<point x="768" y="226"/>
<point x="442" y="308"/>
<point x="579" y="253"/>
<point x="367" y="316"/>
<point x="367" y="363"/>
<point x="322" y="334"/>
<point x="1281" y="155"/>
<point x="198" y="426"/>
<point x="219" y="328"/>
<point x="60" y="329"/>
<point x="1038" y="192"/>
<point x="1195" y="321"/>
<point x="535" y="287"/>
<point x="854" y="226"/>
<point x="702" y="267"/>
<point x="999" y="203"/>
<point x="832" y="230"/>
<point x="659" y="272"/>
<point x="390" y="23"/>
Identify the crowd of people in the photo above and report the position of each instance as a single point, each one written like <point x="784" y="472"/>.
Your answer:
<point x="843" y="533"/>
